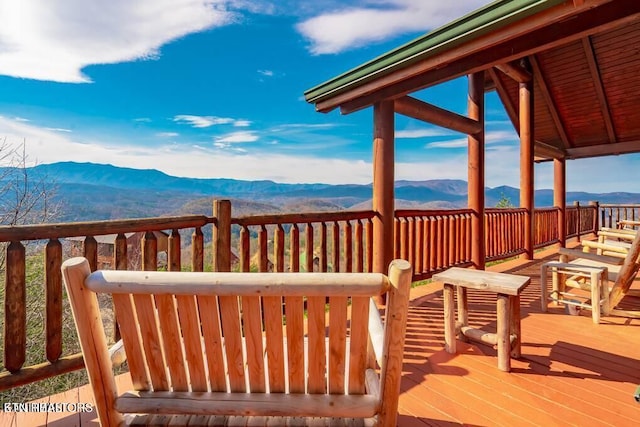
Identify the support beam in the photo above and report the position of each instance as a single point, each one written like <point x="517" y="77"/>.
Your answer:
<point x="560" y="197"/>
<point x="475" y="106"/>
<point x="604" y="150"/>
<point x="383" y="181"/>
<point x="421" y="110"/>
<point x="503" y="94"/>
<point x="515" y="71"/>
<point x="526" y="164"/>
<point x="547" y="151"/>
<point x="597" y="85"/>
<point x="548" y="100"/>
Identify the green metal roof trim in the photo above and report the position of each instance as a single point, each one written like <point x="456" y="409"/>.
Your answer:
<point x="491" y="17"/>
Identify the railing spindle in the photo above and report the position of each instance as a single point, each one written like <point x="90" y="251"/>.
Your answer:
<point x="263" y="257"/>
<point x="15" y="303"/>
<point x="323" y="247"/>
<point x="359" y="247"/>
<point x="278" y="248"/>
<point x="245" y="250"/>
<point x="348" y="247"/>
<point x="174" y="255"/>
<point x="197" y="250"/>
<point x="336" y="247"/>
<point x="309" y="247"/>
<point x="53" y="298"/>
<point x="294" y="248"/>
<point x="91" y="252"/>
<point x="149" y="251"/>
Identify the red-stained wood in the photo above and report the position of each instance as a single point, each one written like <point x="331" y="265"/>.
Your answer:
<point x="90" y="251"/>
<point x="149" y="251"/>
<point x="222" y="235"/>
<point x="197" y="250"/>
<point x="335" y="238"/>
<point x="348" y="247"/>
<point x="559" y="197"/>
<point x="263" y="250"/>
<point x="475" y="109"/>
<point x="309" y="254"/>
<point x="359" y="247"/>
<point x="324" y="262"/>
<point x="294" y="248"/>
<point x="429" y="113"/>
<point x="527" y="139"/>
<point x="53" y="298"/>
<point x="278" y="248"/>
<point x="15" y="303"/>
<point x="174" y="251"/>
<point x="383" y="183"/>
<point x="245" y="250"/>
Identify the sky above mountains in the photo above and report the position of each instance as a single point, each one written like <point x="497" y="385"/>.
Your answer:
<point x="214" y="89"/>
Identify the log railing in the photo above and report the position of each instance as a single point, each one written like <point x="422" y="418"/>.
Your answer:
<point x="581" y="219"/>
<point x="51" y="237"/>
<point x="504" y="235"/>
<point x="331" y="241"/>
<point x="545" y="227"/>
<point x="610" y="214"/>
<point x="433" y="240"/>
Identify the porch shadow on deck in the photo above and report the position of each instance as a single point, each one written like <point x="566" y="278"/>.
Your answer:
<point x="571" y="371"/>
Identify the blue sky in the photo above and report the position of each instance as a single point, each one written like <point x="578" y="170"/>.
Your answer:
<point x="215" y="89"/>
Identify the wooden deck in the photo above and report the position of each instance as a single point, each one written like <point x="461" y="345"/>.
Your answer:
<point x="572" y="372"/>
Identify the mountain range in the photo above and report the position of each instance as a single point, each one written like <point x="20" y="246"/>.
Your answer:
<point x="89" y="191"/>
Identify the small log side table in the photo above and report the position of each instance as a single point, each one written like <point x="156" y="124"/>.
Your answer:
<point x="507" y="286"/>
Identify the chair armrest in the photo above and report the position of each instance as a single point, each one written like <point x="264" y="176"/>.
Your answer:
<point x="622" y="250"/>
<point x="618" y="234"/>
<point x="629" y="222"/>
<point x="576" y="253"/>
<point x="117" y="354"/>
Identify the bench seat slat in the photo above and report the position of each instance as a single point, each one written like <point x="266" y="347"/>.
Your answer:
<point x="248" y="404"/>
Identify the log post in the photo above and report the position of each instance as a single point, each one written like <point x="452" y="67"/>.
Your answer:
<point x="174" y="252"/>
<point x="383" y="181"/>
<point x="222" y="235"/>
<point x="475" y="106"/>
<point x="53" y="297"/>
<point x="90" y="247"/>
<point x="526" y="164"/>
<point x="596" y="210"/>
<point x="149" y="251"/>
<point x="15" y="303"/>
<point x="560" y="198"/>
<point x="576" y="204"/>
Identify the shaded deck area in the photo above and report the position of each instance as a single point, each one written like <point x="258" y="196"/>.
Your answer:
<point x="572" y="372"/>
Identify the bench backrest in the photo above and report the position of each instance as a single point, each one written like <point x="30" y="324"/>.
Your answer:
<point x="293" y="333"/>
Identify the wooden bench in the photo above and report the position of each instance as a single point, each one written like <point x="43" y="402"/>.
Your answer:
<point x="507" y="286"/>
<point x="204" y="347"/>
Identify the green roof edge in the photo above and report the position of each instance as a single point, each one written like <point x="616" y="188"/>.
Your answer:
<point x="475" y="24"/>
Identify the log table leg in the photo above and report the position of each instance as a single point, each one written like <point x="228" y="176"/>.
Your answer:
<point x="503" y="338"/>
<point x="516" y="349"/>
<point x="449" y="319"/>
<point x="463" y="316"/>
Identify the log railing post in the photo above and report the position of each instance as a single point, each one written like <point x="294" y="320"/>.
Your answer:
<point x="577" y="206"/>
<point x="174" y="252"/>
<point x="383" y="181"/>
<point x="222" y="235"/>
<point x="197" y="250"/>
<point x="560" y="197"/>
<point x="475" y="106"/>
<point x="53" y="297"/>
<point x="91" y="252"/>
<point x="149" y="251"/>
<point x="595" y="205"/>
<point x="15" y="303"/>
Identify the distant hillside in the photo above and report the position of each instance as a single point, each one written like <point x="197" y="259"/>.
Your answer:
<point x="90" y="191"/>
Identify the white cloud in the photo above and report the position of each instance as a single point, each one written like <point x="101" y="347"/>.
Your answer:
<point x="352" y="27"/>
<point x="208" y="121"/>
<point x="422" y="133"/>
<point x="167" y="134"/>
<point x="55" y="40"/>
<point x="195" y="160"/>
<point x="492" y="137"/>
<point x="59" y="130"/>
<point x="234" y="137"/>
<point x="266" y="73"/>
<point x="142" y="120"/>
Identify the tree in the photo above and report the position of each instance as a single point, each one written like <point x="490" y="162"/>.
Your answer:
<point x="504" y="202"/>
<point x="26" y="197"/>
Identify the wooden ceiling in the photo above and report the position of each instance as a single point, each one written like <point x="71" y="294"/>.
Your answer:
<point x="583" y="57"/>
<point x="586" y="95"/>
